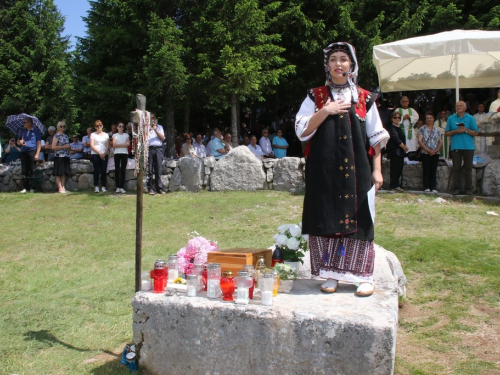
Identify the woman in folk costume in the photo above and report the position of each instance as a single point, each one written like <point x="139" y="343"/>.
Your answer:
<point x="343" y="173"/>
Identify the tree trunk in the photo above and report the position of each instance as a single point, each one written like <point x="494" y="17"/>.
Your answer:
<point x="235" y="104"/>
<point x="186" y="117"/>
<point x="170" y="128"/>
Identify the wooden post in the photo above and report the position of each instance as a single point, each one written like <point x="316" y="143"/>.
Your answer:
<point x="141" y="105"/>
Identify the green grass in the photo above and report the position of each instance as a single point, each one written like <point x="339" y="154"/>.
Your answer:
<point x="67" y="271"/>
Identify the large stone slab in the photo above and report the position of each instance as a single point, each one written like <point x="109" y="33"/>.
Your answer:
<point x="193" y="173"/>
<point x="288" y="175"/>
<point x="491" y="181"/>
<point x="238" y="170"/>
<point x="304" y="332"/>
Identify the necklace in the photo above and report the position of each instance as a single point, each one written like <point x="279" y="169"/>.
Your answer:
<point x="339" y="87"/>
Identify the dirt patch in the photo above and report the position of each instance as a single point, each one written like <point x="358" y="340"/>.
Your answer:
<point x="107" y="356"/>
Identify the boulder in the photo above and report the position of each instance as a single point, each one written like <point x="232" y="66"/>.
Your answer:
<point x="170" y="163"/>
<point x="6" y="177"/>
<point x="110" y="184"/>
<point x="209" y="161"/>
<point x="130" y="185"/>
<point x="48" y="186"/>
<point x="193" y="173"/>
<point x="3" y="170"/>
<point x="288" y="175"/>
<point x="208" y="170"/>
<point x="165" y="181"/>
<point x="238" y="170"/>
<point x="81" y="166"/>
<point x="85" y="181"/>
<point x="129" y="175"/>
<point x="269" y="175"/>
<point x="175" y="181"/>
<point x="269" y="163"/>
<point x="71" y="185"/>
<point x="491" y="180"/>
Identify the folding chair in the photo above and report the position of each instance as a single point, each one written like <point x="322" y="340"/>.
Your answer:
<point x="36" y="180"/>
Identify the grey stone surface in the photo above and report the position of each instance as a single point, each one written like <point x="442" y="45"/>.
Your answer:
<point x="175" y="181"/>
<point x="165" y="180"/>
<point x="304" y="332"/>
<point x="193" y="173"/>
<point x="269" y="175"/>
<point x="130" y="185"/>
<point x="209" y="161"/>
<point x="81" y="166"/>
<point x="170" y="163"/>
<point x="208" y="170"/>
<point x="288" y="175"/>
<point x="239" y="170"/>
<point x="412" y="177"/>
<point x="269" y="163"/>
<point x="491" y="184"/>
<point x="85" y="181"/>
<point x="71" y="185"/>
<point x="110" y="184"/>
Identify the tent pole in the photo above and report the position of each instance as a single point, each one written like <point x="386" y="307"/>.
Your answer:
<point x="457" y="95"/>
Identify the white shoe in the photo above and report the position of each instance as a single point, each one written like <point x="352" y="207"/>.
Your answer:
<point x="96" y="189"/>
<point x="365" y="290"/>
<point x="434" y="191"/>
<point x="427" y="190"/>
<point x="23" y="191"/>
<point x="103" y="189"/>
<point x="122" y="191"/>
<point x="118" y="191"/>
<point x="330" y="286"/>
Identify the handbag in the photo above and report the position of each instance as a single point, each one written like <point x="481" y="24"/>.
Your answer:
<point x="417" y="155"/>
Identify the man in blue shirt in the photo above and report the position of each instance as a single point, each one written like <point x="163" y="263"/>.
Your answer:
<point x="462" y="129"/>
<point x="217" y="147"/>
<point x="30" y="141"/>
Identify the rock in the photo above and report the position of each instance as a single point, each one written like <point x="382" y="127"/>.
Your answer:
<point x="439" y="200"/>
<point x="129" y="174"/>
<point x="110" y="184"/>
<point x="388" y="273"/>
<point x="47" y="165"/>
<point x="130" y="185"/>
<point x="7" y="176"/>
<point x="302" y="161"/>
<point x="165" y="181"/>
<point x="171" y="163"/>
<point x="71" y="185"/>
<point x="206" y="181"/>
<point x="269" y="175"/>
<point x="304" y="332"/>
<point x="208" y="170"/>
<point x="491" y="181"/>
<point x="17" y="169"/>
<point x="85" y="181"/>
<point x="193" y="173"/>
<point x="4" y="169"/>
<point x="239" y="170"/>
<point x="209" y="161"/>
<point x="269" y="163"/>
<point x="175" y="181"/>
<point x="81" y="166"/>
<point x="288" y="175"/>
<point x="48" y="186"/>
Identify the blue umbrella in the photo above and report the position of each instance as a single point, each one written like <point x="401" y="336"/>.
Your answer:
<point x="15" y="123"/>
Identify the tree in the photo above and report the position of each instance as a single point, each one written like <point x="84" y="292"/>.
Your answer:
<point x="35" y="62"/>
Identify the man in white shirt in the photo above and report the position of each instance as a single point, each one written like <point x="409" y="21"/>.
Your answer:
<point x="495" y="105"/>
<point x="265" y="144"/>
<point x="199" y="148"/>
<point x="409" y="118"/>
<point x="255" y="148"/>
<point x="156" y="137"/>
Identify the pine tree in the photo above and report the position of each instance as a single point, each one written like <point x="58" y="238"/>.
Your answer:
<point x="35" y="62"/>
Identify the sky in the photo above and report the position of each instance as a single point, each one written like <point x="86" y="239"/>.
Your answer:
<point x="73" y="10"/>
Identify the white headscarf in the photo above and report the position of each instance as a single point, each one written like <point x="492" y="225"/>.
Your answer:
<point x="352" y="76"/>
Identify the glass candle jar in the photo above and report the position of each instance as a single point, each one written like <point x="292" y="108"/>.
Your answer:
<point x="266" y="288"/>
<point x="145" y="281"/>
<point x="192" y="285"/>
<point x="243" y="282"/>
<point x="159" y="275"/>
<point x="204" y="277"/>
<point x="251" y="270"/>
<point x="173" y="271"/>
<point x="197" y="270"/>
<point x="259" y="270"/>
<point x="276" y="283"/>
<point x="227" y="285"/>
<point x="213" y="280"/>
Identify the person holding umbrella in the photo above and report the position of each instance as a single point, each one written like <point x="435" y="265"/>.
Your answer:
<point x="30" y="141"/>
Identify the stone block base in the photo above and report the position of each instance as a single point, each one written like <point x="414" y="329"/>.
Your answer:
<point x="304" y="332"/>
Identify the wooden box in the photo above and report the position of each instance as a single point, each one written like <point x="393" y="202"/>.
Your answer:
<point x="234" y="259"/>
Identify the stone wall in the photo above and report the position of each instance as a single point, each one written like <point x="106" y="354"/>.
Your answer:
<point x="239" y="170"/>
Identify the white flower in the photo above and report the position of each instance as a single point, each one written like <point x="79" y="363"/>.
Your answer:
<point x="305" y="237"/>
<point x="292" y="243"/>
<point x="282" y="228"/>
<point x="280" y="239"/>
<point x="295" y="230"/>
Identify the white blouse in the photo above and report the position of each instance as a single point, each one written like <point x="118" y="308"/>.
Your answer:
<point x="374" y="128"/>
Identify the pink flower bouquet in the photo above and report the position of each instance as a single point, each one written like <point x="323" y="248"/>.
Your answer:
<point x="194" y="253"/>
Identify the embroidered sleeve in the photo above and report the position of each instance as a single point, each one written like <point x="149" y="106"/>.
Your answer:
<point x="374" y="129"/>
<point x="306" y="111"/>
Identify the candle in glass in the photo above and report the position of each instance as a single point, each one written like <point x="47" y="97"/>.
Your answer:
<point x="243" y="282"/>
<point x="192" y="285"/>
<point x="204" y="277"/>
<point x="159" y="275"/>
<point x="227" y="285"/>
<point x="173" y="271"/>
<point x="266" y="288"/>
<point x="213" y="280"/>
<point x="197" y="270"/>
<point x="251" y="271"/>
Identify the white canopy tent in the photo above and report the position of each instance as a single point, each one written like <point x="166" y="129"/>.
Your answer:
<point x="452" y="59"/>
